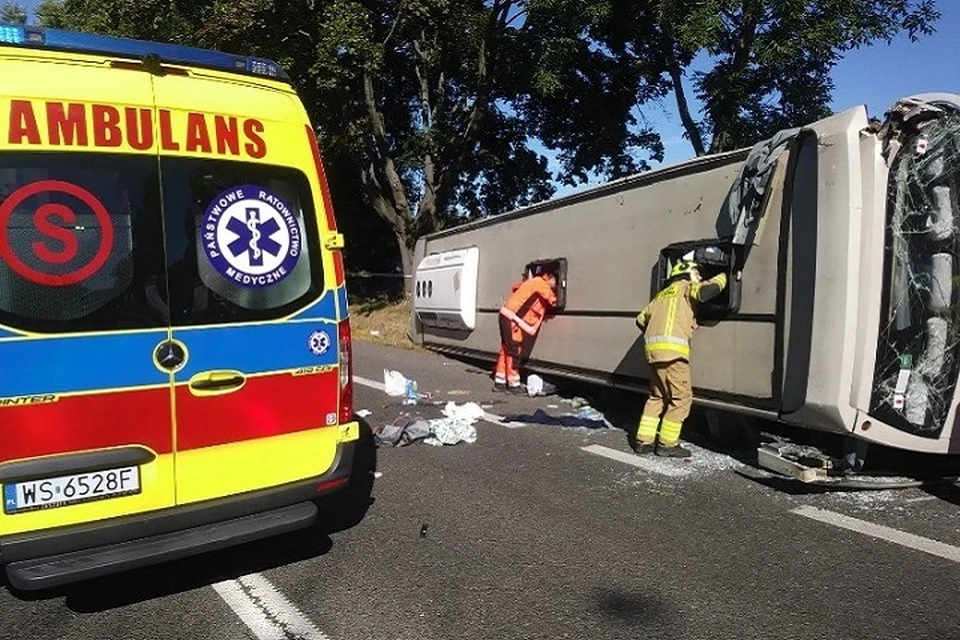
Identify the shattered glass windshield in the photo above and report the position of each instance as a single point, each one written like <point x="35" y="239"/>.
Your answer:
<point x="917" y="357"/>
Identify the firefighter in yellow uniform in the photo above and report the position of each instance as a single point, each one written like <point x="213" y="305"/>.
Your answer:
<point x="668" y="323"/>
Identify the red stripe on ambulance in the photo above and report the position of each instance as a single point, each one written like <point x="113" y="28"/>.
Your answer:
<point x="255" y="413"/>
<point x="87" y="422"/>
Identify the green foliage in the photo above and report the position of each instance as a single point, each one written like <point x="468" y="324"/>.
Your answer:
<point x="13" y="13"/>
<point x="412" y="99"/>
<point x="425" y="108"/>
<point x="772" y="59"/>
<point x="770" y="65"/>
<point x="50" y="14"/>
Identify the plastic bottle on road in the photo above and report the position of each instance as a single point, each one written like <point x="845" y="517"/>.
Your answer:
<point x="411" y="395"/>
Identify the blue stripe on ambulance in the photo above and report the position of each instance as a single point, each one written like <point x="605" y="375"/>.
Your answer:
<point x="70" y="364"/>
<point x="258" y="348"/>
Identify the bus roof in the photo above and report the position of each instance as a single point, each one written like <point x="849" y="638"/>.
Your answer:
<point x="60" y="40"/>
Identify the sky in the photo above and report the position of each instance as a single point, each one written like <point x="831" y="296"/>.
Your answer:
<point x="875" y="76"/>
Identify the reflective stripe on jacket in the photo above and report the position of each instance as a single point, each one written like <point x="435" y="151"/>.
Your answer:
<point x="668" y="321"/>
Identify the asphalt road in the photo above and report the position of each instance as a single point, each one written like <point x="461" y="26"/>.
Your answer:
<point x="545" y="531"/>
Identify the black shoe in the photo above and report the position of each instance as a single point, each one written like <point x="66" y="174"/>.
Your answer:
<point x="499" y="388"/>
<point x="518" y="390"/>
<point x="675" y="451"/>
<point x="642" y="448"/>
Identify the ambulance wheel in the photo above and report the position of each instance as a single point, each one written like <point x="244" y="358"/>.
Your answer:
<point x="347" y="507"/>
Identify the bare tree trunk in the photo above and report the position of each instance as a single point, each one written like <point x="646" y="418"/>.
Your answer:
<point x="406" y="261"/>
<point x="693" y="132"/>
<point x="722" y="134"/>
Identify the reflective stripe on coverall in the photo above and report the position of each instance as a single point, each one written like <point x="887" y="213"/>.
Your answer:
<point x="668" y="323"/>
<point x="521" y="316"/>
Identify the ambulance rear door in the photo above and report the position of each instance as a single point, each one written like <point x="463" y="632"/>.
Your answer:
<point x="256" y="394"/>
<point x="85" y="409"/>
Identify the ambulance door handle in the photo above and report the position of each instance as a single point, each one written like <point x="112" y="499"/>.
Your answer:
<point x="213" y="383"/>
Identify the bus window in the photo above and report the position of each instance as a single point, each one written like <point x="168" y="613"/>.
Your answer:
<point x="556" y="266"/>
<point x="713" y="257"/>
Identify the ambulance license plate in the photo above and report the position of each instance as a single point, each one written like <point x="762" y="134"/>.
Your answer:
<point x="66" y="490"/>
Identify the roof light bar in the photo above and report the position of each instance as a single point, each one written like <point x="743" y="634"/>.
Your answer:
<point x="39" y="37"/>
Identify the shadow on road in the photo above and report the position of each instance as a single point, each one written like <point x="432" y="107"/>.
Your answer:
<point x="141" y="585"/>
<point x="336" y="513"/>
<point x="945" y="492"/>
<point x="642" y="611"/>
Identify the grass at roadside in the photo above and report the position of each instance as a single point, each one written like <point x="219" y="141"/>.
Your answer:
<point x="382" y="321"/>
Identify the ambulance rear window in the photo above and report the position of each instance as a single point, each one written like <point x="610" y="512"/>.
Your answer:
<point x="78" y="247"/>
<point x="241" y="240"/>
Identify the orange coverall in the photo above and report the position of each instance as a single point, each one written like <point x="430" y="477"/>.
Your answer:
<point x="521" y="317"/>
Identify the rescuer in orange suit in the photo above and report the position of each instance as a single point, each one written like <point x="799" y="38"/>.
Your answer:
<point x="520" y="319"/>
<point x="668" y="323"/>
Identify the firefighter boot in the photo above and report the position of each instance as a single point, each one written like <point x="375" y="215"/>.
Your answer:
<point x="676" y="451"/>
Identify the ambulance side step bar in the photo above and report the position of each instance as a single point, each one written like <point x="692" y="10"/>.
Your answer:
<point x="57" y="570"/>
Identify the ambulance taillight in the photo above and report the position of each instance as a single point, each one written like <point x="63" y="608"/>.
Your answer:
<point x="346" y="373"/>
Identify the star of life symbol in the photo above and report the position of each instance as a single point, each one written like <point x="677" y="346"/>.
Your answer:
<point x="251" y="236"/>
<point x="254" y="237"/>
<point x="319" y="342"/>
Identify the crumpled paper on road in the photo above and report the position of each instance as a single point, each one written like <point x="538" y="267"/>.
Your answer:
<point x="457" y="426"/>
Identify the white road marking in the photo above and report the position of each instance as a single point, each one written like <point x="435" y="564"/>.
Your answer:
<point x="495" y="419"/>
<point x="933" y="547"/>
<point x="367" y="382"/>
<point x="647" y="463"/>
<point x="489" y="417"/>
<point x="266" y="611"/>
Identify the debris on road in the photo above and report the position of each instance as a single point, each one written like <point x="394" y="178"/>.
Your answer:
<point x="577" y="402"/>
<point x="455" y="427"/>
<point x="411" y="395"/>
<point x="395" y="383"/>
<point x="586" y="418"/>
<point x="364" y="413"/>
<point x="403" y="431"/>
<point x="470" y="412"/>
<point x="536" y="386"/>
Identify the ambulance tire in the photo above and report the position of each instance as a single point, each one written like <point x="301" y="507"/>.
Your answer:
<point x="347" y="507"/>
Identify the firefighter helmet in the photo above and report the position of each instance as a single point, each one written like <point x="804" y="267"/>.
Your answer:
<point x="683" y="267"/>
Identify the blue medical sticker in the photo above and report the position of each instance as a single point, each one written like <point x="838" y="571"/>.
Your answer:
<point x="251" y="236"/>
<point x="319" y="342"/>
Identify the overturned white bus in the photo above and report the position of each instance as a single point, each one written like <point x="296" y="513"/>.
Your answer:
<point x="844" y="319"/>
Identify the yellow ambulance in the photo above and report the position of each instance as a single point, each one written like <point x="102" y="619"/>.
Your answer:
<point x="174" y="335"/>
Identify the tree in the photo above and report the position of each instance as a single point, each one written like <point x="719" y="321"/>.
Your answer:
<point x="417" y="96"/>
<point x="773" y="58"/>
<point x="50" y="14"/>
<point x="410" y="97"/>
<point x="592" y="73"/>
<point x="13" y="13"/>
<point x="769" y="60"/>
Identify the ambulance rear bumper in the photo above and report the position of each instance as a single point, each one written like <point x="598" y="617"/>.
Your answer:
<point x="56" y="557"/>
